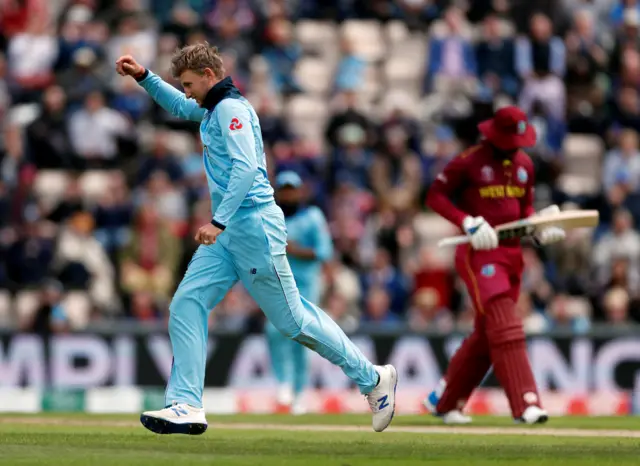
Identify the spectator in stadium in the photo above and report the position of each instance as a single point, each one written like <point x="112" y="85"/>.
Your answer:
<point x="417" y="13"/>
<point x="625" y="110"/>
<point x="80" y="262"/>
<point x="396" y="174"/>
<point x="622" y="164"/>
<point x="385" y="276"/>
<point x="535" y="281"/>
<point x="338" y="280"/>
<point x="621" y="9"/>
<point x="348" y="115"/>
<point x="70" y="204"/>
<point x="50" y="316"/>
<point x="616" y="307"/>
<point x="106" y="127"/>
<point x="351" y="68"/>
<point x="29" y="252"/>
<point x="397" y="120"/>
<point x="48" y="141"/>
<point x="144" y="308"/>
<point x="150" y="259"/>
<point x="452" y="62"/>
<point x="352" y="159"/>
<point x="232" y="22"/>
<point x="587" y="58"/>
<point x="441" y="150"/>
<point x="73" y="36"/>
<point x="160" y="159"/>
<point x="621" y="242"/>
<point x="282" y="54"/>
<point x="540" y="63"/>
<point x="113" y="215"/>
<point x="378" y="311"/>
<point x="31" y="56"/>
<point x="626" y="39"/>
<point x="167" y="198"/>
<point x="569" y="313"/>
<point x="133" y="37"/>
<point x="495" y="56"/>
<point x="426" y="314"/>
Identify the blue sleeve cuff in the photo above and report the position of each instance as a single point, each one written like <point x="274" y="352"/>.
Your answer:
<point x="143" y="76"/>
<point x="218" y="225"/>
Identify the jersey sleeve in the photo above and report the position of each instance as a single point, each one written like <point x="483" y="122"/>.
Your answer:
<point x="446" y="186"/>
<point x="322" y="242"/>
<point x="237" y="132"/>
<point x="170" y="98"/>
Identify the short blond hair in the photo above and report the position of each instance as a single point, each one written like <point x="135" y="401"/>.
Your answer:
<point x="197" y="58"/>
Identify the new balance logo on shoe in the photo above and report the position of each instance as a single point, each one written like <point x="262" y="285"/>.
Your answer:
<point x="179" y="410"/>
<point x="383" y="402"/>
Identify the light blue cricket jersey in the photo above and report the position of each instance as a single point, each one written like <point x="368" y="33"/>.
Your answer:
<point x="309" y="229"/>
<point x="234" y="159"/>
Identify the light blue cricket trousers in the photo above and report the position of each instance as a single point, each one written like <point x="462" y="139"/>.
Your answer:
<point x="289" y="359"/>
<point x="252" y="250"/>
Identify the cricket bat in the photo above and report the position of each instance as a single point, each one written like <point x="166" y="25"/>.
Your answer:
<point x="567" y="219"/>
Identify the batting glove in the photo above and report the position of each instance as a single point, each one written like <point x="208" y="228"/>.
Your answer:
<point x="481" y="235"/>
<point x="550" y="235"/>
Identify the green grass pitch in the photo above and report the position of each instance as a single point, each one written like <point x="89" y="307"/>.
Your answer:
<point x="345" y="440"/>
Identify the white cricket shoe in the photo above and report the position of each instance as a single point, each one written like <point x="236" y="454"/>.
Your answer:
<point x="298" y="408"/>
<point x="456" y="417"/>
<point x="284" y="396"/>
<point x="179" y="418"/>
<point x="382" y="399"/>
<point x="453" y="417"/>
<point x="534" y="415"/>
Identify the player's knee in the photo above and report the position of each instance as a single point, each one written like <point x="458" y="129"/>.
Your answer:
<point x="503" y="326"/>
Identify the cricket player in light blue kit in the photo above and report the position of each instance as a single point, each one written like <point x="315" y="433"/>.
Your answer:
<point x="245" y="241"/>
<point x="308" y="245"/>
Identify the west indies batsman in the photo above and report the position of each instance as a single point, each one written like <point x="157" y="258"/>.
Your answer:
<point x="487" y="185"/>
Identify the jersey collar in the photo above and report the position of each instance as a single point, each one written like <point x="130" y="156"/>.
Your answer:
<point x="220" y="91"/>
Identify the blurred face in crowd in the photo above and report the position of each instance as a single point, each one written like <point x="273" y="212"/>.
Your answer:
<point x="82" y="223"/>
<point x="629" y="142"/>
<point x="584" y="23"/>
<point x="197" y="85"/>
<point x="622" y="221"/>
<point x="147" y="216"/>
<point x="378" y="303"/>
<point x="453" y="19"/>
<point x="616" y="304"/>
<point x="290" y="199"/>
<point x="128" y="26"/>
<point x="94" y="102"/>
<point x="491" y="28"/>
<point x="281" y="32"/>
<point x="628" y="100"/>
<point x="541" y="28"/>
<point x="54" y="99"/>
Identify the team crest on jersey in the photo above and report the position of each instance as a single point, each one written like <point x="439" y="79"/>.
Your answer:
<point x="488" y="270"/>
<point x="522" y="175"/>
<point x="235" y="124"/>
<point x="487" y="173"/>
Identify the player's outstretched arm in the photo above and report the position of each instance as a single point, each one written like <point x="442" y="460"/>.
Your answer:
<point x="235" y="123"/>
<point x="167" y="96"/>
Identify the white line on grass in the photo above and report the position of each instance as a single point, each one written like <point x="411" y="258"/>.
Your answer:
<point x="535" y="431"/>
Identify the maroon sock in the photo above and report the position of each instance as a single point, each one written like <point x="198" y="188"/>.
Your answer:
<point x="509" y="355"/>
<point x="466" y="370"/>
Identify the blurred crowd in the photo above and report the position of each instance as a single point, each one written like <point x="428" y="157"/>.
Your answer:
<point x="101" y="191"/>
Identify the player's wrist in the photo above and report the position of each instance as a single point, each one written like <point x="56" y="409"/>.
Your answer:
<point x="217" y="224"/>
<point x="141" y="75"/>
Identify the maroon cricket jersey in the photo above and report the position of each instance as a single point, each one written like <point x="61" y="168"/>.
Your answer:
<point x="477" y="183"/>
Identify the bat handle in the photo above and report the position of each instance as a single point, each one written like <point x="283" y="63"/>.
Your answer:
<point x="453" y="241"/>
